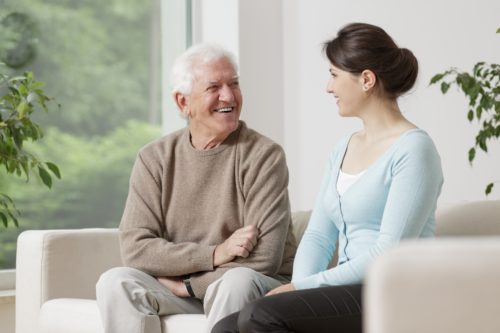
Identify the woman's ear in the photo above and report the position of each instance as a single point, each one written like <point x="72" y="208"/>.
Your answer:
<point x="368" y="79"/>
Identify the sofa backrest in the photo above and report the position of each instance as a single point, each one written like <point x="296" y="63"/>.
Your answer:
<point x="475" y="218"/>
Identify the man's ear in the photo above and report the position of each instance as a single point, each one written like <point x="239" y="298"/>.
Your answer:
<point x="368" y="79"/>
<point x="181" y="102"/>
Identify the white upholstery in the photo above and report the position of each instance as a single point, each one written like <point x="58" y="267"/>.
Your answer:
<point x="57" y="271"/>
<point x="444" y="285"/>
<point x="73" y="315"/>
<point x="447" y="286"/>
<point x="55" y="264"/>
<point x="56" y="275"/>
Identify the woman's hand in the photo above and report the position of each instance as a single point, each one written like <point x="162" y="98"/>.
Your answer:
<point x="282" y="289"/>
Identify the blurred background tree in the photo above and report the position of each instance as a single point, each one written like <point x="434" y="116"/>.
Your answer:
<point x="98" y="58"/>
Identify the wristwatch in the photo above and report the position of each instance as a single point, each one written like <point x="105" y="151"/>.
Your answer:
<point x="187" y="283"/>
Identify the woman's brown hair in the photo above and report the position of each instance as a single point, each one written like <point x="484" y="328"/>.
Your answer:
<point x="361" y="46"/>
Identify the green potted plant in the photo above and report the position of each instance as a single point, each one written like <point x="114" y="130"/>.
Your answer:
<point x="23" y="97"/>
<point x="482" y="90"/>
<point x="20" y="97"/>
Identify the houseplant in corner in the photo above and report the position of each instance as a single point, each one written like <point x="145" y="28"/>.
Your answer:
<point x="482" y="89"/>
<point x="20" y="97"/>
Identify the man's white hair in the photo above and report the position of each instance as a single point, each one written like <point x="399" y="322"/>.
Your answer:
<point x="182" y="75"/>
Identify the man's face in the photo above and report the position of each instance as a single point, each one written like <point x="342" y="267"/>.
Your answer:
<point x="214" y="104"/>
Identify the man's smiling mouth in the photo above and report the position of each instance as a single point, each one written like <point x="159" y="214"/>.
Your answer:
<point x="224" y="110"/>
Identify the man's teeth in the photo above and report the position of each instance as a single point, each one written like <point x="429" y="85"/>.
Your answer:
<point x="224" y="110"/>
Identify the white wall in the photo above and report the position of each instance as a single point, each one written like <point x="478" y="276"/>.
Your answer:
<point x="284" y="75"/>
<point x="442" y="33"/>
<point x="253" y="31"/>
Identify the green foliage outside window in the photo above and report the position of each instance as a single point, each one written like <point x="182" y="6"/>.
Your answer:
<point x="23" y="96"/>
<point x="95" y="58"/>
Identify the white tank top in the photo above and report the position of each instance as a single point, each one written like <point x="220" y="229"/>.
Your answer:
<point x="346" y="180"/>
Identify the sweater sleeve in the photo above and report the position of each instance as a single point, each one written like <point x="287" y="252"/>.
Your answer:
<point x="265" y="189"/>
<point x="267" y="206"/>
<point x="143" y="236"/>
<point x="416" y="184"/>
<point x="318" y="243"/>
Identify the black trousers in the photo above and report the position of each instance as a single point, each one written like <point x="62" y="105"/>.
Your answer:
<point x="335" y="309"/>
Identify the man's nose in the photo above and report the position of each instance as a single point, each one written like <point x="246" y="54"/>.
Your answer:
<point x="226" y="94"/>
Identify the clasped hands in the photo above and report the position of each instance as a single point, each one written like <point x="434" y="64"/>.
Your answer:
<point x="239" y="244"/>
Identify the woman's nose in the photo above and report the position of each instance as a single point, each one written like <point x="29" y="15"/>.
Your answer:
<point x="329" y="86"/>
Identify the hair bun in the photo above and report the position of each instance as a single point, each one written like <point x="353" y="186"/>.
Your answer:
<point x="404" y="74"/>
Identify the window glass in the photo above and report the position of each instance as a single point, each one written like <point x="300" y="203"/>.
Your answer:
<point x="100" y="60"/>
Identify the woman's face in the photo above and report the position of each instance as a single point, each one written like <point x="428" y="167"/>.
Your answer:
<point x="347" y="88"/>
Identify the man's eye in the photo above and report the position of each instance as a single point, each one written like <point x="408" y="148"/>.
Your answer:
<point x="212" y="88"/>
<point x="235" y="84"/>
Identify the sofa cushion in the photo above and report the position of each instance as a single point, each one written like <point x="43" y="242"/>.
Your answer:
<point x="299" y="222"/>
<point x="60" y="314"/>
<point x="82" y="316"/>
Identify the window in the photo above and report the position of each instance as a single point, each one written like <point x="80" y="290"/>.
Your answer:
<point x="101" y="61"/>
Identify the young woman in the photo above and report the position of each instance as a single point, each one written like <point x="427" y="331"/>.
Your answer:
<point x="381" y="186"/>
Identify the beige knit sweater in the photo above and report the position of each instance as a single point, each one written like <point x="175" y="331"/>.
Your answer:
<point x="182" y="202"/>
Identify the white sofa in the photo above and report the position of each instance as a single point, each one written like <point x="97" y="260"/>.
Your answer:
<point x="447" y="285"/>
<point x="57" y="271"/>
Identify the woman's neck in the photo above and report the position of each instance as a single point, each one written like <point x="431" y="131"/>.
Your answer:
<point x="382" y="118"/>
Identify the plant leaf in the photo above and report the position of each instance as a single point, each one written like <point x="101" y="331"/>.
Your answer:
<point x="470" y="115"/>
<point x="498" y="31"/>
<point x="444" y="87"/>
<point x="54" y="169"/>
<point x="472" y="154"/>
<point x="22" y="109"/>
<point x="488" y="188"/>
<point x="46" y="179"/>
<point x="437" y="78"/>
<point x="14" y="219"/>
<point x="4" y="219"/>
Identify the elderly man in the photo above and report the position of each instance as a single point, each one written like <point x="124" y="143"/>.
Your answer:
<point x="206" y="226"/>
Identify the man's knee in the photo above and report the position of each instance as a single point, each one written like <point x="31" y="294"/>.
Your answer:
<point x="112" y="281"/>
<point x="235" y="288"/>
<point x="240" y="279"/>
<point x="112" y="276"/>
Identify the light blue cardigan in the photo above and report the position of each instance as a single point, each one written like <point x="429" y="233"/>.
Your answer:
<point x="394" y="199"/>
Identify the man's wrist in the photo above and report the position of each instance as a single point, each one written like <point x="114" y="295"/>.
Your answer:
<point x="187" y="284"/>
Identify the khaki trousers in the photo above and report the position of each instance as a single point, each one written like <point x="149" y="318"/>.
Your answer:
<point x="132" y="301"/>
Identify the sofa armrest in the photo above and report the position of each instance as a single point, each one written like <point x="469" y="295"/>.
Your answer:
<point x="441" y="285"/>
<point x="60" y="263"/>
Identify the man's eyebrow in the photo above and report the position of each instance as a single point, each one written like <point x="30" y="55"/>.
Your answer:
<point x="215" y="82"/>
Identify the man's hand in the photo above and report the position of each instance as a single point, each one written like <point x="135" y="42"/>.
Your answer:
<point x="282" y="289"/>
<point x="239" y="244"/>
<point x="175" y="285"/>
